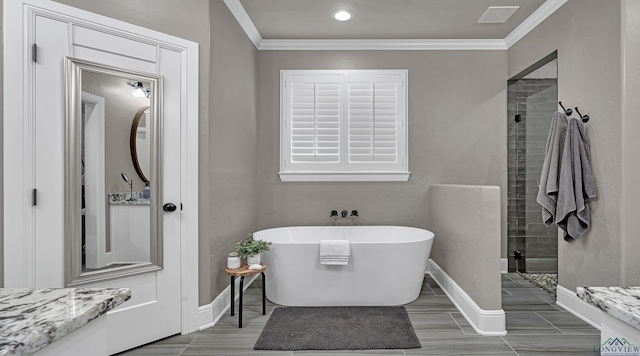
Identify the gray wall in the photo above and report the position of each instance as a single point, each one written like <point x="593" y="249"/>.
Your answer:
<point x="469" y="253"/>
<point x="457" y="135"/>
<point x="631" y="145"/>
<point x="233" y="159"/>
<point x="586" y="34"/>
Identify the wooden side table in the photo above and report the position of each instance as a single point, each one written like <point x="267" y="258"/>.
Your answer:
<point x="242" y="272"/>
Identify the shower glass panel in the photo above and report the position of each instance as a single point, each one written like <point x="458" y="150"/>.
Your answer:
<point x="532" y="100"/>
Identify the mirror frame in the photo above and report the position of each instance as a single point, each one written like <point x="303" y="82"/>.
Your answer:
<point x="73" y="169"/>
<point x="134" y="147"/>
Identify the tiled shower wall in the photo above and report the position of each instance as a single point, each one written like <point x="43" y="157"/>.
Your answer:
<point x="536" y="101"/>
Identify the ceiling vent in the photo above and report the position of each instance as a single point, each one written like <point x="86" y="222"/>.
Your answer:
<point x="498" y="14"/>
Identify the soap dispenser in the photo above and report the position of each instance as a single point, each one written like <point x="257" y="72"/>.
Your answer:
<point x="146" y="192"/>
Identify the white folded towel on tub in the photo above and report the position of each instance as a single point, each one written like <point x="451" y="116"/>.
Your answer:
<point x="334" y="252"/>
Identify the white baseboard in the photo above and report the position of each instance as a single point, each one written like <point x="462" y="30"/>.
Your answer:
<point x="504" y="265"/>
<point x="484" y="322"/>
<point x="210" y="314"/>
<point x="569" y="300"/>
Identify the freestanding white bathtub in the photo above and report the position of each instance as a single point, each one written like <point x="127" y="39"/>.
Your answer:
<point x="386" y="267"/>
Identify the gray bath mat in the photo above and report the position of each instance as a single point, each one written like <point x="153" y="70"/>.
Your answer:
<point x="338" y="328"/>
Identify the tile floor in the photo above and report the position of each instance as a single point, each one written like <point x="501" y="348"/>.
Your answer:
<point x="535" y="325"/>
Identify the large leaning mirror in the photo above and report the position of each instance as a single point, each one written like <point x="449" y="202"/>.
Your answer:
<point x="113" y="224"/>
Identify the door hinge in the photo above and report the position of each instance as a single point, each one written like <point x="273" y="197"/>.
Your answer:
<point x="34" y="53"/>
<point x="34" y="197"/>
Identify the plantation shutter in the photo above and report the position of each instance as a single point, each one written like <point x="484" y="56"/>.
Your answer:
<point x="343" y="125"/>
<point x="315" y="111"/>
<point x="374" y="120"/>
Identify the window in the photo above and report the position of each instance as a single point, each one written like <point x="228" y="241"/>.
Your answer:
<point x="343" y="125"/>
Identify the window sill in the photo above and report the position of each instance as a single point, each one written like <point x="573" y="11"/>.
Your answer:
<point x="344" y="177"/>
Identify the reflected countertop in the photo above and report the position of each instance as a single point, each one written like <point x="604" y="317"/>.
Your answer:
<point x="127" y="199"/>
<point x="31" y="319"/>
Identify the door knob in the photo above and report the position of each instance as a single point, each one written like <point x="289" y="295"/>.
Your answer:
<point x="169" y="207"/>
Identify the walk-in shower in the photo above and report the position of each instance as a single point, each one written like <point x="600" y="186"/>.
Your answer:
<point x="532" y="99"/>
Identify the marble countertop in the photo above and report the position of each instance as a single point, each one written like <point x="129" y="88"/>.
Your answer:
<point x="31" y="319"/>
<point x="622" y="303"/>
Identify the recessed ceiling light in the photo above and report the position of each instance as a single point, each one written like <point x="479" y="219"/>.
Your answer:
<point x="342" y="15"/>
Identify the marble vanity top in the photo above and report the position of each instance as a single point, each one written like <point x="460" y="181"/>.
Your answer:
<point x="31" y="319"/>
<point x="622" y="303"/>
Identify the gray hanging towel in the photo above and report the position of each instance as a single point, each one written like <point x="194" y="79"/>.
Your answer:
<point x="576" y="184"/>
<point x="550" y="176"/>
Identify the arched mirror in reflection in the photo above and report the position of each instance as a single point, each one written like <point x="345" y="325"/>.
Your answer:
<point x="112" y="227"/>
<point x="139" y="145"/>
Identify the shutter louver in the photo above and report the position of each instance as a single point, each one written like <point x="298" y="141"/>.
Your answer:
<point x="373" y="122"/>
<point x="315" y="122"/>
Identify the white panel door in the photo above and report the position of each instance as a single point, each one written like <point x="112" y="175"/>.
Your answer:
<point x="154" y="310"/>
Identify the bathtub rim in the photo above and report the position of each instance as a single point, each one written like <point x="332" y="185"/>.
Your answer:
<point x="429" y="236"/>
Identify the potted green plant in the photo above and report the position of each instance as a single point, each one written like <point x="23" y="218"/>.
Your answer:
<point x="251" y="249"/>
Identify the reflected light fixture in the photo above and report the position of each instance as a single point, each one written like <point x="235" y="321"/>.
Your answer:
<point x="342" y="15"/>
<point x="139" y="90"/>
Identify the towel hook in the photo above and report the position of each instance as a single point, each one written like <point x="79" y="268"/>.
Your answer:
<point x="568" y="111"/>
<point x="584" y="118"/>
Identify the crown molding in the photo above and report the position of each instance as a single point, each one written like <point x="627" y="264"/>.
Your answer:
<point x="244" y="20"/>
<point x="238" y="11"/>
<point x="391" y="45"/>
<point x="545" y="10"/>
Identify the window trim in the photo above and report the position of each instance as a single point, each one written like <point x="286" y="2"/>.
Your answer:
<point x="344" y="176"/>
<point x="332" y="175"/>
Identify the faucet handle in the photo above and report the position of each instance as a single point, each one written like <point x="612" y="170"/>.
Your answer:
<point x="354" y="213"/>
<point x="333" y="213"/>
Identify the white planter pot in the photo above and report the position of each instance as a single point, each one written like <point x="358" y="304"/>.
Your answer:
<point x="253" y="260"/>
